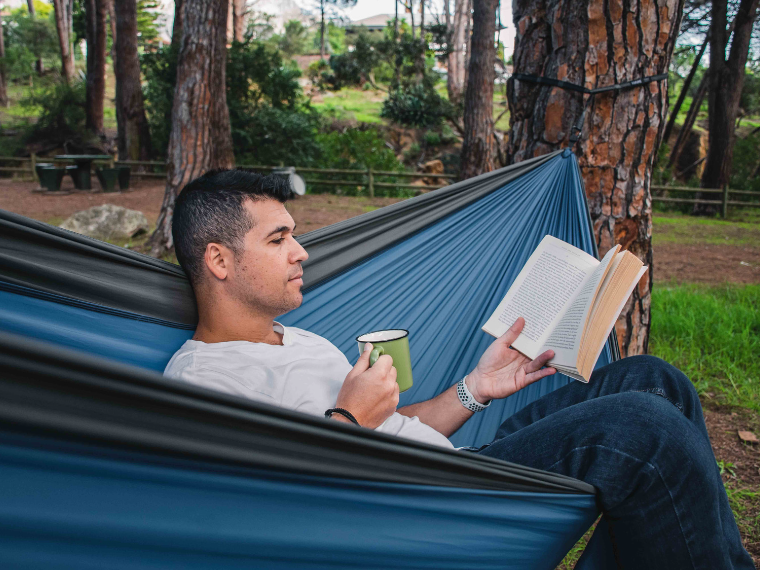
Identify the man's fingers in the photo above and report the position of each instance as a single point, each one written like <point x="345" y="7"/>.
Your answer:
<point x="543" y="373"/>
<point x="540" y="361"/>
<point x="363" y="363"/>
<point x="383" y="364"/>
<point x="514" y="331"/>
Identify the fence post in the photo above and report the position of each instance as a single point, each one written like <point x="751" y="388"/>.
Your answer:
<point x="33" y="162"/>
<point x="371" y="183"/>
<point x="724" y="206"/>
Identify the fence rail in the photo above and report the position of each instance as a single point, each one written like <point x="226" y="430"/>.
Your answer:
<point x="724" y="202"/>
<point x="368" y="179"/>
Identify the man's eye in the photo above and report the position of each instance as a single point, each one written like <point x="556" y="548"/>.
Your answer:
<point x="278" y="241"/>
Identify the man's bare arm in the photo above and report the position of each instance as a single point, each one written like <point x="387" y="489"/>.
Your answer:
<point x="501" y="372"/>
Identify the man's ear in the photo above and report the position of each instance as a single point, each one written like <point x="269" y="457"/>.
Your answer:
<point x="218" y="260"/>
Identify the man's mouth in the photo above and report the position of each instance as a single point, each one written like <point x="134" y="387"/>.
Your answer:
<point x="296" y="277"/>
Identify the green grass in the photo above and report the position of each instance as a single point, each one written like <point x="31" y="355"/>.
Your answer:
<point x="364" y="106"/>
<point x="712" y="334"/>
<point x="674" y="228"/>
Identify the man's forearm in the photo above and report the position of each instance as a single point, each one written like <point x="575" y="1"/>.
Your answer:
<point x="444" y="413"/>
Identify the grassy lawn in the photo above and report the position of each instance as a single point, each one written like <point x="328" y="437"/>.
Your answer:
<point x="678" y="228"/>
<point x="364" y="105"/>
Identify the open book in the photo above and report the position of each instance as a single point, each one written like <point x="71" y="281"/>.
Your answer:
<point x="570" y="302"/>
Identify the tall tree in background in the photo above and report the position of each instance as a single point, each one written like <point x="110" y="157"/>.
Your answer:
<point x="200" y="136"/>
<point x="3" y="77"/>
<point x="63" y="15"/>
<point x="96" y="33"/>
<point x="598" y="43"/>
<point x="239" y="13"/>
<point x="478" y="143"/>
<point x="456" y="57"/>
<point x="726" y="80"/>
<point x="133" y="133"/>
<point x="39" y="66"/>
<point x="177" y="25"/>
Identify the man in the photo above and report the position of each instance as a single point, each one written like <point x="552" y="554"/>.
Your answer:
<point x="636" y="432"/>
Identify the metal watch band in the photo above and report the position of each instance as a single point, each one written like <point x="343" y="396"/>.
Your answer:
<point x="467" y="399"/>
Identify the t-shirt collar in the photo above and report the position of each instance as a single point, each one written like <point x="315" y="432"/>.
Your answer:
<point x="287" y="336"/>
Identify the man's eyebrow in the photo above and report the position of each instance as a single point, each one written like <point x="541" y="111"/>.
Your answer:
<point x="280" y="230"/>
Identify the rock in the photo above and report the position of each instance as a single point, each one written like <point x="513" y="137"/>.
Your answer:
<point x="747" y="437"/>
<point x="107" y="222"/>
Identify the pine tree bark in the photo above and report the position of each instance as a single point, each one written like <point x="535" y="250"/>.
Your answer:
<point x="478" y="143"/>
<point x="725" y="89"/>
<point x="599" y="43"/>
<point x="200" y="136"/>
<point x="95" y="17"/>
<point x="239" y="13"/>
<point x="3" y="78"/>
<point x="455" y="76"/>
<point x="133" y="134"/>
<point x="62" y="25"/>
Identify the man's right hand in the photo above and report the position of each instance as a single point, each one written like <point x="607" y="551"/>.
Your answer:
<point x="370" y="394"/>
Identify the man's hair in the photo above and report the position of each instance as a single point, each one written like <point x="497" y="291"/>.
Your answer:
<point x="210" y="209"/>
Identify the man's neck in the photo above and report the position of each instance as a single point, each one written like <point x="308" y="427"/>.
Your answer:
<point x="228" y="325"/>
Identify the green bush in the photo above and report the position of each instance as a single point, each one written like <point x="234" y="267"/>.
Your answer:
<point x="416" y="106"/>
<point x="271" y="135"/>
<point x="61" y="119"/>
<point x="160" y="70"/>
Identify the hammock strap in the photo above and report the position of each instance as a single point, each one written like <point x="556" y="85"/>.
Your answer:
<point x="577" y="128"/>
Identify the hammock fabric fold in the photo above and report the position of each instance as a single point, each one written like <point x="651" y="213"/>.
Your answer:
<point x="106" y="463"/>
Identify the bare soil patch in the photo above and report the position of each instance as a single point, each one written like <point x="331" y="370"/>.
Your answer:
<point x="741" y="464"/>
<point x="706" y="263"/>
<point x="309" y="212"/>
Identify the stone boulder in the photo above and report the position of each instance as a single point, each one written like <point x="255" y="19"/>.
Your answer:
<point x="107" y="222"/>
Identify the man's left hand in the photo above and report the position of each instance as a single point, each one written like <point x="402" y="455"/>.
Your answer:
<point x="502" y="371"/>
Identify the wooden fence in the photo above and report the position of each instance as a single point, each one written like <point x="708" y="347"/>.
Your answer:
<point x="369" y="178"/>
<point x="724" y="195"/>
<point x="372" y="179"/>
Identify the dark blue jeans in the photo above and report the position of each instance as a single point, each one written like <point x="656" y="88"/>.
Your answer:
<point x="636" y="432"/>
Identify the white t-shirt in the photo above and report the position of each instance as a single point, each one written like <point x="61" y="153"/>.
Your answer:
<point x="304" y="374"/>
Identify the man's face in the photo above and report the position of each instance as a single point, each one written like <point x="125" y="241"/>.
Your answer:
<point x="267" y="272"/>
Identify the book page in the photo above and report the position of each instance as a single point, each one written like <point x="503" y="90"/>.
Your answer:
<point x="542" y="291"/>
<point x="566" y="335"/>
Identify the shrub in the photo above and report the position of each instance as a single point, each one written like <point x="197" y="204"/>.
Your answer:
<point x="415" y="106"/>
<point x="61" y="119"/>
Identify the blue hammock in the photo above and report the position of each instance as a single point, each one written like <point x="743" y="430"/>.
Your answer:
<point x="158" y="494"/>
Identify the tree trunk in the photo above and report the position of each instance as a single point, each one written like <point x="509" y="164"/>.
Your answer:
<point x="467" y="41"/>
<point x="239" y="12"/>
<point x="95" y="18"/>
<point x="38" y="65"/>
<point x="200" y="136"/>
<point x="478" y="143"/>
<point x="3" y="81"/>
<point x="684" y="90"/>
<point x="724" y="92"/>
<point x="691" y="118"/>
<point x="112" y="23"/>
<point x="62" y="25"/>
<point x="177" y="25"/>
<point x="447" y="14"/>
<point x="133" y="133"/>
<point x="455" y="75"/>
<point x="598" y="43"/>
<point x="322" y="29"/>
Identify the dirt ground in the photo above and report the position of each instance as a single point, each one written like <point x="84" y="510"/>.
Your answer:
<point x="712" y="264"/>
<point x="741" y="461"/>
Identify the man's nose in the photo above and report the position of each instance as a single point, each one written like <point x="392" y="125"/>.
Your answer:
<point x="301" y="253"/>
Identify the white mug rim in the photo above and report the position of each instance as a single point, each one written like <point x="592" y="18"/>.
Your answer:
<point x="362" y="338"/>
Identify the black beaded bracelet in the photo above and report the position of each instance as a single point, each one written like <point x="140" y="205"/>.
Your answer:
<point x="345" y="413"/>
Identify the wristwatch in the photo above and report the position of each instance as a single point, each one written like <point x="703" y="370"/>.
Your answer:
<point x="467" y="399"/>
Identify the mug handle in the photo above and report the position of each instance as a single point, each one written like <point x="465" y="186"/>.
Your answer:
<point x="375" y="354"/>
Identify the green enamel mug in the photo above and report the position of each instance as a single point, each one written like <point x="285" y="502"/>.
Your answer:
<point x="394" y="342"/>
